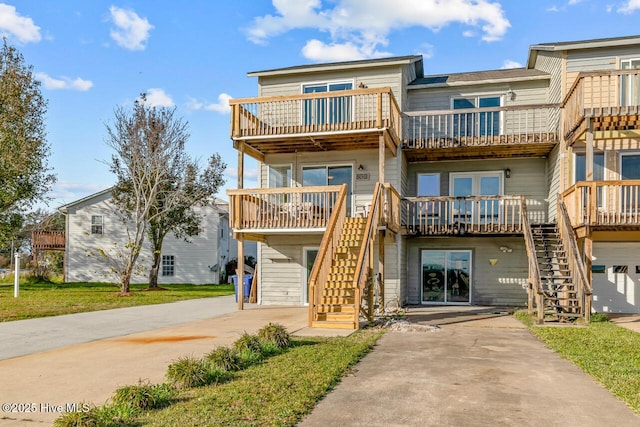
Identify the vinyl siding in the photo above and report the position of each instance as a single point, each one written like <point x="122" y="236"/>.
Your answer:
<point x="553" y="172"/>
<point x="597" y="59"/>
<point x="192" y="260"/>
<point x="528" y="178"/>
<point x="500" y="284"/>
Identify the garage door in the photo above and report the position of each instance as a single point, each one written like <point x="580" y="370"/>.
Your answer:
<point x="616" y="277"/>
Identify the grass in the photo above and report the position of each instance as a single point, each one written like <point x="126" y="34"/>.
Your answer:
<point x="39" y="299"/>
<point x="279" y="391"/>
<point x="607" y="352"/>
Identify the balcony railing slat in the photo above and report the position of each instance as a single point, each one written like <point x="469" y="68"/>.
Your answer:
<point x="604" y="203"/>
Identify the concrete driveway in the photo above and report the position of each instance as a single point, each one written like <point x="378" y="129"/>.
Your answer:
<point x="478" y="369"/>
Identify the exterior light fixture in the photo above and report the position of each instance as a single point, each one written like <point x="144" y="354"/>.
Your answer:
<point x="360" y="168"/>
<point x="507" y="173"/>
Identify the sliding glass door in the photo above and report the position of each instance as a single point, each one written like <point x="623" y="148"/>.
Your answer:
<point x="446" y="276"/>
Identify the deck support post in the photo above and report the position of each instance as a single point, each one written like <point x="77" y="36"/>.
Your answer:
<point x="240" y="263"/>
<point x="589" y="152"/>
<point x="381" y="152"/>
<point x="381" y="235"/>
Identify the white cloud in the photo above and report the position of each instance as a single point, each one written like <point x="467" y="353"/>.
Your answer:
<point x="629" y="7"/>
<point x="572" y="2"/>
<point x="64" y="82"/>
<point x="131" y="31"/>
<point x="508" y="63"/>
<point x="358" y="28"/>
<point x="249" y="173"/>
<point x="426" y="50"/>
<point x="158" y="98"/>
<point x="222" y="106"/>
<point x="553" y="8"/>
<point x="20" y="27"/>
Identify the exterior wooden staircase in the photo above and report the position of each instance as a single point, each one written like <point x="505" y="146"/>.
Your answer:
<point x="559" y="290"/>
<point x="337" y="304"/>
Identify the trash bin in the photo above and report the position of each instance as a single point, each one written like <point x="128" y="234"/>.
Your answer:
<point x="247" y="285"/>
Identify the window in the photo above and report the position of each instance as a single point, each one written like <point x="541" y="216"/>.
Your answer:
<point x="476" y="184"/>
<point x="336" y="109"/>
<point x="476" y="123"/>
<point x="328" y="175"/>
<point x="280" y="176"/>
<point x="168" y="265"/>
<point x="428" y="184"/>
<point x="581" y="167"/>
<point x="96" y="224"/>
<point x="630" y="83"/>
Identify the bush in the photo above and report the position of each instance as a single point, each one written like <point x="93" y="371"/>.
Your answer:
<point x="276" y="334"/>
<point x="599" y="317"/>
<point x="189" y="372"/>
<point x="250" y="357"/>
<point x="90" y="418"/>
<point x="270" y="348"/>
<point x="144" y="396"/>
<point x="225" y="358"/>
<point x="247" y="342"/>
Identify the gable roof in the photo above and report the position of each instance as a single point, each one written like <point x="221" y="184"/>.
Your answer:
<point x="476" y="77"/>
<point x="580" y="44"/>
<point x="328" y="66"/>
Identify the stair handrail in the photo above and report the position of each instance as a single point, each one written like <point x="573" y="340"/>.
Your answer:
<point x="328" y="245"/>
<point x="576" y="264"/>
<point x="535" y="282"/>
<point x="368" y="239"/>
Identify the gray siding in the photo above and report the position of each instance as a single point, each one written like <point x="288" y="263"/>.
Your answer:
<point x="551" y="62"/>
<point x="499" y="284"/>
<point x="527" y="178"/>
<point x="553" y="170"/>
<point x="597" y="59"/>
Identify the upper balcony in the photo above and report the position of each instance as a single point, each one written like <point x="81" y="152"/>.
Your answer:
<point x="514" y="131"/>
<point x="323" y="121"/>
<point x="609" y="100"/>
<point x="604" y="206"/>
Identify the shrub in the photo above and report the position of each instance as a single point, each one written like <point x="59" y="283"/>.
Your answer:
<point x="144" y="396"/>
<point x="247" y="342"/>
<point x="90" y="418"/>
<point x="270" y="348"/>
<point x="249" y="357"/>
<point x="599" y="317"/>
<point x="189" y="372"/>
<point x="225" y="358"/>
<point x="276" y="334"/>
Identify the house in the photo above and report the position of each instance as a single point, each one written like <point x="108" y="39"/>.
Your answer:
<point x="93" y="225"/>
<point x="380" y="184"/>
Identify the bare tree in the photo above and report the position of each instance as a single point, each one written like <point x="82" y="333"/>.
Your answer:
<point x="148" y="143"/>
<point x="191" y="186"/>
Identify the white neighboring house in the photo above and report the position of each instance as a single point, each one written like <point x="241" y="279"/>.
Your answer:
<point x="92" y="224"/>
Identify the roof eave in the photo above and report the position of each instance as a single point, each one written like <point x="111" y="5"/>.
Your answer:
<point x="480" y="82"/>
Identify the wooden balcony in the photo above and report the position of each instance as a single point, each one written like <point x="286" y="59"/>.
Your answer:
<point x="281" y="210"/>
<point x="342" y="120"/>
<point x="609" y="100"/>
<point x="47" y="240"/>
<point x="517" y="131"/>
<point x="603" y="206"/>
<point x="475" y="215"/>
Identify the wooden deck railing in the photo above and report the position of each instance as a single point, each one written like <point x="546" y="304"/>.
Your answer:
<point x="48" y="240"/>
<point x="364" y="264"/>
<point x="603" y="203"/>
<point x="277" y="208"/>
<point x="324" y="259"/>
<point x="444" y="215"/>
<point x="391" y="208"/>
<point x="534" y="290"/>
<point x="601" y="93"/>
<point x="349" y="110"/>
<point x="481" y="126"/>
<point x="574" y="259"/>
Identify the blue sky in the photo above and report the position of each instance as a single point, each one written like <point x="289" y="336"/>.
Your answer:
<point x="92" y="56"/>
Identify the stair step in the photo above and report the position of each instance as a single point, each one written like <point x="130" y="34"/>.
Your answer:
<point x="333" y="300"/>
<point x="333" y="324"/>
<point x="336" y="308"/>
<point x="335" y="317"/>
<point x="338" y="291"/>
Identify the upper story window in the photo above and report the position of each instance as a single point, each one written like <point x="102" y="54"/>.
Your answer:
<point x="428" y="184"/>
<point x="279" y="176"/>
<point x="327" y="110"/>
<point x="581" y="167"/>
<point x="96" y="224"/>
<point x="630" y="84"/>
<point x="476" y="123"/>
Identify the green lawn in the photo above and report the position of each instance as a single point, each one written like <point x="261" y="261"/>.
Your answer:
<point x="607" y="352"/>
<point x="278" y="392"/>
<point x="51" y="299"/>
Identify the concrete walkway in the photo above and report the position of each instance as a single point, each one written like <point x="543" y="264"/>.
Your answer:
<point x="82" y="365"/>
<point x="478" y="369"/>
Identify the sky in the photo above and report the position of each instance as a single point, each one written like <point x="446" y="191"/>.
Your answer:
<point x="94" y="56"/>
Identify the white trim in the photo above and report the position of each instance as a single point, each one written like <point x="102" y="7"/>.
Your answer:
<point x="475" y="183"/>
<point x="418" y="175"/>
<point x="305" y="279"/>
<point x="327" y="82"/>
<point x="269" y="166"/>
